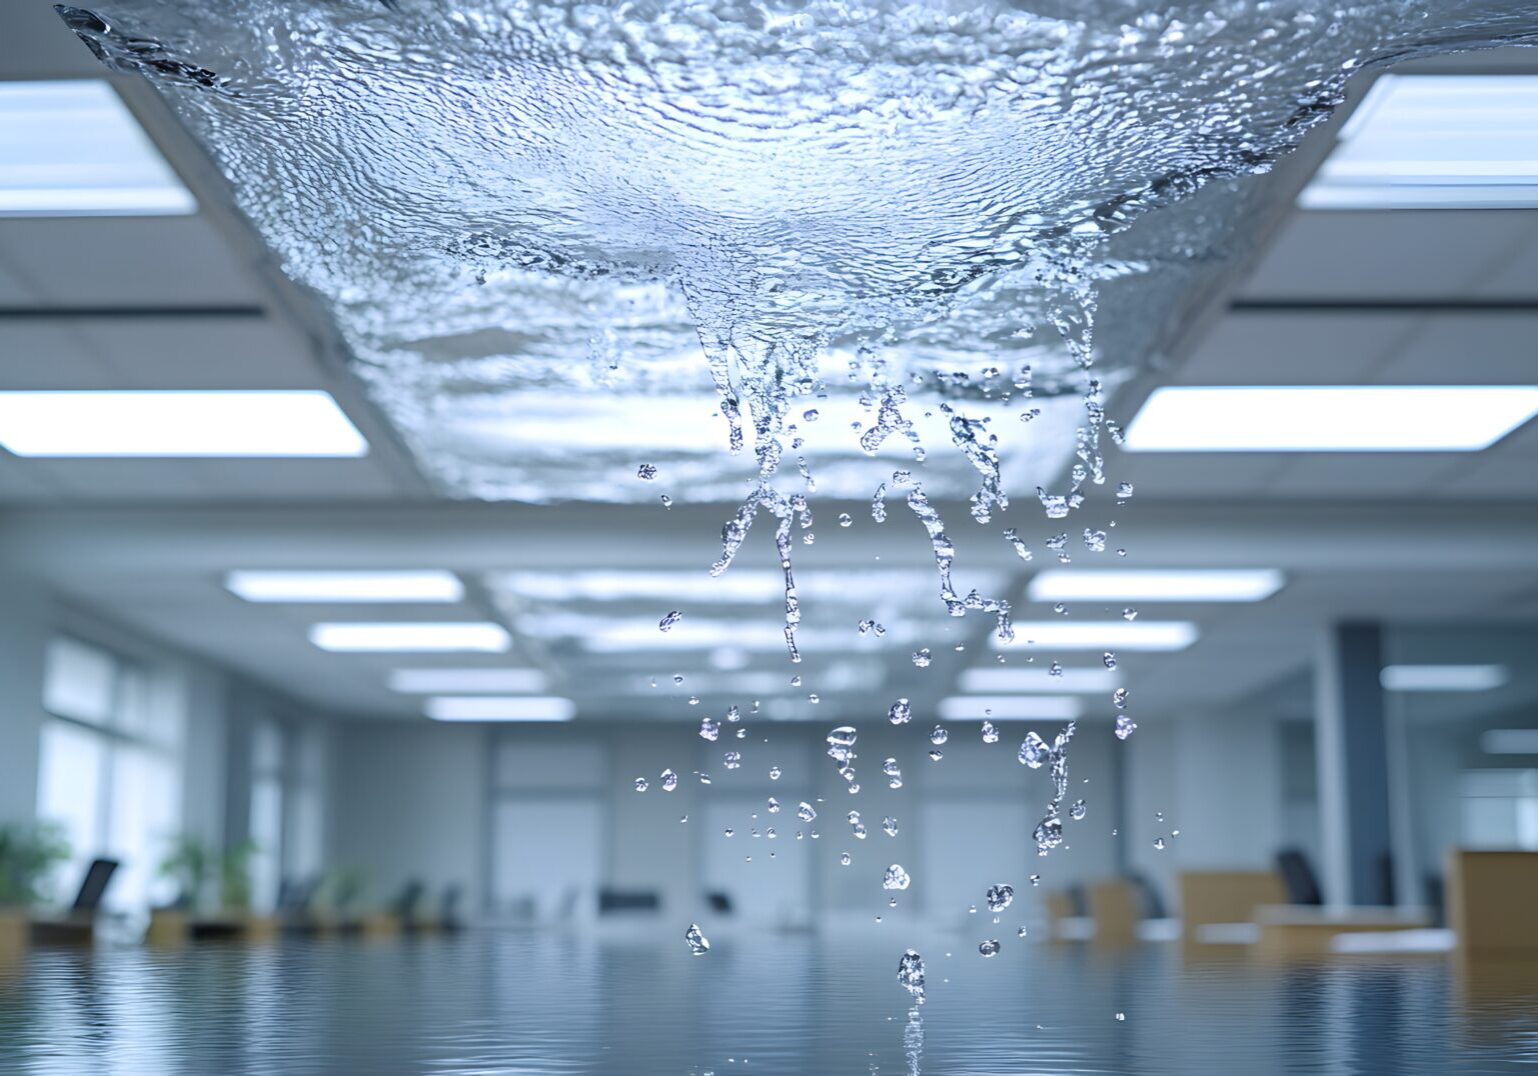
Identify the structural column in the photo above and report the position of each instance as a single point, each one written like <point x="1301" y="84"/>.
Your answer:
<point x="1353" y="765"/>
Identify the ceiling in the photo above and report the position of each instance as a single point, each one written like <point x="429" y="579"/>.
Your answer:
<point x="1331" y="297"/>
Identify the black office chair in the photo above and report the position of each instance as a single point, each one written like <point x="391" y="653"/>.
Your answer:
<point x="78" y="925"/>
<point x="611" y="901"/>
<point x="1148" y="896"/>
<point x="452" y="896"/>
<point x="405" y="905"/>
<point x="1298" y="878"/>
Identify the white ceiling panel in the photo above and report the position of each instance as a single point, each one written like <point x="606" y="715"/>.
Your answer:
<point x="1293" y="348"/>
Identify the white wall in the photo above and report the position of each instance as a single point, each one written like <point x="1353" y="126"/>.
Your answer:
<point x="1217" y="778"/>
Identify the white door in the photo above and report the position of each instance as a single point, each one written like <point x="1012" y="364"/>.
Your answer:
<point x="547" y="858"/>
<point x="772" y="888"/>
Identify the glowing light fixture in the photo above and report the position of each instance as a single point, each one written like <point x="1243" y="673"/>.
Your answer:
<point x="1330" y="418"/>
<point x="405" y="637"/>
<point x="500" y="708"/>
<point x="71" y="148"/>
<point x="467" y="681"/>
<point x="403" y="586"/>
<point x="1102" y="635"/>
<point x="1215" y="585"/>
<point x="1039" y="681"/>
<point x="170" y="424"/>
<point x="1010" y="707"/>
<point x="1442" y="677"/>
<point x="1435" y="142"/>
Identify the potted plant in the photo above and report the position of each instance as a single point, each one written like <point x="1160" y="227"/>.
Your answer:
<point x="187" y="864"/>
<point x="27" y="855"/>
<point x="235" y="877"/>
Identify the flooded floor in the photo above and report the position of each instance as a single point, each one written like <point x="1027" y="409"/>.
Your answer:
<point x="638" y="1003"/>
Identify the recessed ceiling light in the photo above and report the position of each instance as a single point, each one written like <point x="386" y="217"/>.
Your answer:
<point x="1102" y="635"/>
<point x="1009" y="681"/>
<point x="1214" y="585"/>
<point x="170" y="424"/>
<point x="1330" y="418"/>
<point x="1509" y="742"/>
<point x="467" y="681"/>
<point x="1442" y="677"/>
<point x="1010" y="707"/>
<point x="403" y="637"/>
<point x="405" y="586"/>
<point x="500" y="708"/>
<point x="1435" y="142"/>
<point x="70" y="147"/>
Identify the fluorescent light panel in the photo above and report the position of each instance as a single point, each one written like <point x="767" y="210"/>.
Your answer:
<point x="1330" y="418"/>
<point x="500" y="708"/>
<point x="395" y="586"/>
<point x="1442" y="677"/>
<point x="1010" y="707"/>
<point x="1215" y="585"/>
<point x="1113" y="635"/>
<point x="1435" y="142"/>
<point x="177" y="424"/>
<point x="467" y="681"/>
<point x="1039" y="681"/>
<point x="71" y="148"/>
<point x="387" y="637"/>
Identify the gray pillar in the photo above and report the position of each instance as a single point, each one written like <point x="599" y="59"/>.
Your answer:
<point x="1352" y="750"/>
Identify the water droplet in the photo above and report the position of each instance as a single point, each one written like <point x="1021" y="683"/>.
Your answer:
<point x="728" y="831"/>
<point x="939" y="735"/>
<point x="699" y="945"/>
<point x="1125" y="726"/>
<point x="1020" y="933"/>
<point x="810" y="415"/>
<point x="844" y="858"/>
<point x="1124" y="490"/>
<point x="1119" y="698"/>
<point x="669" y="780"/>
<point x="667" y="622"/>
<point x="641" y="784"/>
<point x="896" y="877"/>
<point x="910" y="973"/>
<point x="889" y="825"/>
<point x="1035" y="879"/>
<point x="709" y="729"/>
<point x="1129" y="613"/>
<point x="806" y="812"/>
<point x="989" y="947"/>
<point x="1077" y="811"/>
<point x="870" y="626"/>
<point x="935" y="754"/>
<point x="694" y="700"/>
<point x="774" y="773"/>
<point x="732" y="759"/>
<point x="844" y="519"/>
<point x="667" y="502"/>
<point x="900" y="712"/>
<point x="1034" y="751"/>
<point x="774" y="805"/>
<point x="921" y="658"/>
<point x="1158" y="844"/>
<point x="647" y="471"/>
<point x="990" y="732"/>
<point x="1121" y="1016"/>
<point x="1109" y="659"/>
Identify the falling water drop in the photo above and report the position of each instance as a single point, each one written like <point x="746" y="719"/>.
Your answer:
<point x="900" y="713"/>
<point x="990" y="732"/>
<point x="667" y="622"/>
<point x="921" y="658"/>
<point x="669" y="780"/>
<point x="646" y="472"/>
<point x="641" y="784"/>
<point x="989" y="947"/>
<point x="699" y="945"/>
<point x="939" y="735"/>
<point x="910" y="973"/>
<point x="896" y="878"/>
<point x="1125" y="726"/>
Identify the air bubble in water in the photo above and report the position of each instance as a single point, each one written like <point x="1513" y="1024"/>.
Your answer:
<point x="989" y="947"/>
<point x="1125" y="726"/>
<point x="699" y="945"/>
<point x="999" y="897"/>
<point x="896" y="878"/>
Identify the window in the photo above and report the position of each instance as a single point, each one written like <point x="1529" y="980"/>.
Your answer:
<point x="109" y="769"/>
<point x="1500" y="809"/>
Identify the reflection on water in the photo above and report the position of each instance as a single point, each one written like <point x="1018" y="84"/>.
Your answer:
<point x="558" y="1003"/>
